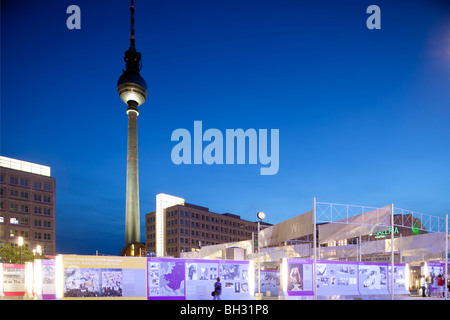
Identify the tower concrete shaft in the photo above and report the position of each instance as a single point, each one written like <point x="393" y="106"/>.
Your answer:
<point x="132" y="219"/>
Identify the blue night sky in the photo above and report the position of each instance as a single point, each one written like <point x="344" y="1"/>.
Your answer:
<point x="363" y="115"/>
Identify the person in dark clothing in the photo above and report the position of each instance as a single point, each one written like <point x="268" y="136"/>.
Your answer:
<point x="217" y="289"/>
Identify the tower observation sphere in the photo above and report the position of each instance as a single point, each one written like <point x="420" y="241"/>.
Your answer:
<point x="132" y="88"/>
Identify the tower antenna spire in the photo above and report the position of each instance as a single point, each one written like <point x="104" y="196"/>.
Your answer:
<point x="132" y="57"/>
<point x="132" y="39"/>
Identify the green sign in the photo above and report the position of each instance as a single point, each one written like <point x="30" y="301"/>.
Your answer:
<point x="415" y="229"/>
<point x="384" y="233"/>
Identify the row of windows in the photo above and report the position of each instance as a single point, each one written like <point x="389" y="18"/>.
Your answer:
<point x="222" y="230"/>
<point x="207" y="227"/>
<point x="24" y="208"/>
<point x="182" y="249"/>
<point x="26" y="183"/>
<point x="23" y="221"/>
<point x="46" y="248"/>
<point x="25" y="234"/>
<point x="193" y="224"/>
<point x="24" y="195"/>
<point x="198" y="216"/>
<point x="170" y="250"/>
<point x="223" y="238"/>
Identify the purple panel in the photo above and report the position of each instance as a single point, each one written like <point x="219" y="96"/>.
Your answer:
<point x="49" y="275"/>
<point x="337" y="278"/>
<point x="300" y="277"/>
<point x="166" y="279"/>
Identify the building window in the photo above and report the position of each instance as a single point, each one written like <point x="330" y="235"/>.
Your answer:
<point x="47" y="187"/>
<point x="24" y="182"/>
<point x="13" y="180"/>
<point x="37" y="185"/>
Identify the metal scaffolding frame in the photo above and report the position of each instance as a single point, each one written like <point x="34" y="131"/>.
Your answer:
<point x="389" y="216"/>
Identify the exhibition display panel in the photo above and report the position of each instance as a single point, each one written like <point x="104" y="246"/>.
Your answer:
<point x="44" y="279"/>
<point x="12" y="279"/>
<point x="94" y="277"/>
<point x="74" y="277"/>
<point x="340" y="279"/>
<point x="193" y="279"/>
<point x="297" y="277"/>
<point x="334" y="278"/>
<point x="270" y="282"/>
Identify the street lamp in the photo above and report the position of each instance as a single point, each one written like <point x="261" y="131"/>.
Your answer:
<point x="38" y="249"/>
<point x="20" y="246"/>
<point x="261" y="215"/>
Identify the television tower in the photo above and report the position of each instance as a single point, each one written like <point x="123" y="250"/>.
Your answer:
<point x="132" y="90"/>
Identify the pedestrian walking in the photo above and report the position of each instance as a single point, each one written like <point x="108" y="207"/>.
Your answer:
<point x="217" y="289"/>
<point x="429" y="280"/>
<point x="440" y="284"/>
<point x="423" y="285"/>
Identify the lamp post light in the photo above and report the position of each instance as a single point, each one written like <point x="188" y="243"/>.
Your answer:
<point x="20" y="243"/>
<point x="261" y="215"/>
<point x="38" y="249"/>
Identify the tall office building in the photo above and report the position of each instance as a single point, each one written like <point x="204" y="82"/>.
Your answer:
<point x="177" y="226"/>
<point x="27" y="205"/>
